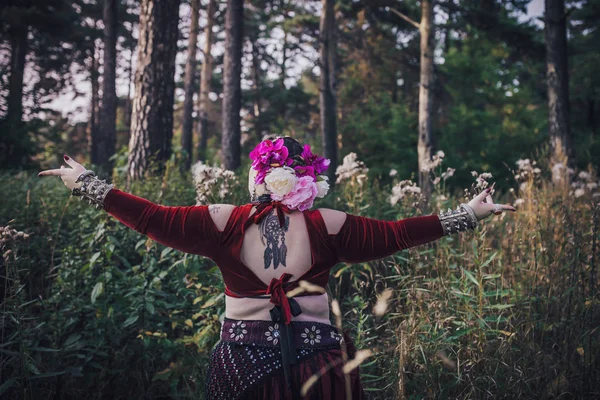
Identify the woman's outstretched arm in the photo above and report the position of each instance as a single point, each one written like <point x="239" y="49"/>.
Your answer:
<point x="361" y="239"/>
<point x="187" y="228"/>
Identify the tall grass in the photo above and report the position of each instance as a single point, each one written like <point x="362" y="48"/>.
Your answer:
<point x="91" y="309"/>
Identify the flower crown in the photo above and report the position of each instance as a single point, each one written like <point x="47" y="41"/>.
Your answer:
<point x="294" y="181"/>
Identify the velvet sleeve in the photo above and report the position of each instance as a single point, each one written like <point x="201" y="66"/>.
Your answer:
<point x="186" y="228"/>
<point x="363" y="239"/>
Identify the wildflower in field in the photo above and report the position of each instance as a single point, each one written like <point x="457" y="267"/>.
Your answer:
<point x="448" y="174"/>
<point x="585" y="183"/>
<point x="393" y="172"/>
<point x="351" y="168"/>
<point x="435" y="161"/>
<point x="405" y="188"/>
<point x="481" y="179"/>
<point x="526" y="169"/>
<point x="8" y="235"/>
<point x="211" y="182"/>
<point x="558" y="172"/>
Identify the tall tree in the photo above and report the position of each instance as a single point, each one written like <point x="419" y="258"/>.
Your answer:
<point x="205" y="81"/>
<point x="95" y="99"/>
<point x="104" y="139"/>
<point x="232" y="92"/>
<point x="152" y="114"/>
<point x="424" y="143"/>
<point x="327" y="82"/>
<point x="557" y="80"/>
<point x="18" y="47"/>
<point x="189" y="79"/>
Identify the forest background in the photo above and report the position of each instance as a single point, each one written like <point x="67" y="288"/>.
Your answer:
<point x="419" y="105"/>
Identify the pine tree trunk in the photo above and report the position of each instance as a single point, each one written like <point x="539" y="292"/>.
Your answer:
<point x="232" y="93"/>
<point x="284" y="57"/>
<point x="256" y="109"/>
<point x="189" y="79"/>
<point x="424" y="144"/>
<point x="129" y="102"/>
<point x="18" y="49"/>
<point x="205" y="82"/>
<point x="152" y="116"/>
<point x="327" y="95"/>
<point x="95" y="83"/>
<point x="104" y="148"/>
<point x="557" y="76"/>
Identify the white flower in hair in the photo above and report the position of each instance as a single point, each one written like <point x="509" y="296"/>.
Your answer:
<point x="322" y="186"/>
<point x="280" y="181"/>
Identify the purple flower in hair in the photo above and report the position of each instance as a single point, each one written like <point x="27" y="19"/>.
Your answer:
<point x="268" y="154"/>
<point x="305" y="170"/>
<point x="317" y="163"/>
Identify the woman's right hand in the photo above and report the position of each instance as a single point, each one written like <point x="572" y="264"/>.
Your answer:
<point x="483" y="206"/>
<point x="68" y="175"/>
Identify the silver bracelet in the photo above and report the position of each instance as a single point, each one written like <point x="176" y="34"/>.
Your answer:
<point x="92" y="189"/>
<point x="461" y="219"/>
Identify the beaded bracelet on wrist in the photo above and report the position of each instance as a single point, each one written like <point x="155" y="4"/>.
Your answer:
<point x="459" y="220"/>
<point x="92" y="189"/>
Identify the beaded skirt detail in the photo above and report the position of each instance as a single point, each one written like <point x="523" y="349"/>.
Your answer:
<point x="247" y="362"/>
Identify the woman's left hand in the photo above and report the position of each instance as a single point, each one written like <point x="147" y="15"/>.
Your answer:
<point x="484" y="206"/>
<point x="67" y="175"/>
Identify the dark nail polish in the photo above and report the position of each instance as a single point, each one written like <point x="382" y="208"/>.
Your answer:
<point x="66" y="157"/>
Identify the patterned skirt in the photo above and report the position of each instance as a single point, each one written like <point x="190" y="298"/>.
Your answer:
<point x="247" y="362"/>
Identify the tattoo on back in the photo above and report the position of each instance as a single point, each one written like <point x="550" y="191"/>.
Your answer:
<point x="274" y="235"/>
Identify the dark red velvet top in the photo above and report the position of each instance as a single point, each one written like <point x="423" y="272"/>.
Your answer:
<point x="192" y="230"/>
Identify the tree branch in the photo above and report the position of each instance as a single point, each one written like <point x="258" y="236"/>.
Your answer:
<point x="404" y="17"/>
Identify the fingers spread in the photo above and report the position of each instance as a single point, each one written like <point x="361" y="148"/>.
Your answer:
<point x="56" y="172"/>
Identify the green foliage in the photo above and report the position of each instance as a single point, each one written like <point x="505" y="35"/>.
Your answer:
<point x="91" y="306"/>
<point x="104" y="299"/>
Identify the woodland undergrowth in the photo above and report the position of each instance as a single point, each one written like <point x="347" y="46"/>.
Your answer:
<point x="91" y="309"/>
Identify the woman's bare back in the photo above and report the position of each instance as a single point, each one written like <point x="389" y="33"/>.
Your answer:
<point x="270" y="250"/>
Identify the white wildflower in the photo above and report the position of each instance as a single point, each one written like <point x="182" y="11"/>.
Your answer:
<point x="211" y="182"/>
<point x="524" y="165"/>
<point x="518" y="202"/>
<point x="403" y="189"/>
<point x="584" y="176"/>
<point x="481" y="181"/>
<point x="449" y="173"/>
<point x="393" y="172"/>
<point x="558" y="172"/>
<point x="592" y="186"/>
<point x="435" y="162"/>
<point x="474" y="173"/>
<point x="361" y="178"/>
<point x="579" y="192"/>
<point x="350" y="168"/>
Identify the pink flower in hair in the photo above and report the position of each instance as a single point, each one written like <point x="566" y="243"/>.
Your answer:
<point x="268" y="154"/>
<point x="318" y="163"/>
<point x="305" y="170"/>
<point x="302" y="195"/>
